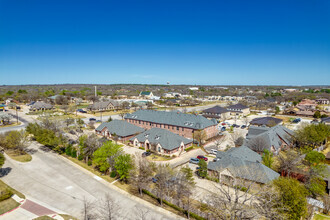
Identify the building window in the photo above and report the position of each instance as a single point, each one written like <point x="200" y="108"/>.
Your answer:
<point x="139" y="122"/>
<point x="177" y="128"/>
<point x="150" y="124"/>
<point x="182" y="129"/>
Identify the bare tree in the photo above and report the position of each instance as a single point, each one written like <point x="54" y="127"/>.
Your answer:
<point x="141" y="213"/>
<point x="91" y="144"/>
<point x="164" y="181"/>
<point x="87" y="211"/>
<point x="200" y="136"/>
<point x="61" y="100"/>
<point x="246" y="120"/>
<point x="108" y="209"/>
<point x="237" y="138"/>
<point x="142" y="173"/>
<point x="258" y="144"/>
<point x="289" y="162"/>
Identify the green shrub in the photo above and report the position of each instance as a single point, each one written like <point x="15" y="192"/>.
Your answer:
<point x="74" y="153"/>
<point x="68" y="150"/>
<point x="5" y="194"/>
<point x="142" y="148"/>
<point x="189" y="148"/>
<point x="113" y="174"/>
<point x="80" y="157"/>
<point x="214" y="179"/>
<point x="89" y="163"/>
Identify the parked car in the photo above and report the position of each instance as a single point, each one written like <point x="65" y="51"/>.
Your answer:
<point x="296" y="120"/>
<point x="223" y="124"/>
<point x="98" y="121"/>
<point x="213" y="151"/>
<point x="194" y="160"/>
<point x="92" y="119"/>
<point x="154" y="180"/>
<point x="216" y="159"/>
<point x="243" y="126"/>
<point x="201" y="157"/>
<point x="223" y="129"/>
<point x="145" y="154"/>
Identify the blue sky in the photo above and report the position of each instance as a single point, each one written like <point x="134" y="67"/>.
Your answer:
<point x="273" y="42"/>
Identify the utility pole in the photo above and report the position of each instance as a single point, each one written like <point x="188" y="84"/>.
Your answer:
<point x="95" y="92"/>
<point x="16" y="115"/>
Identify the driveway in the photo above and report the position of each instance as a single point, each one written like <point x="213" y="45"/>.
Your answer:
<point x="57" y="182"/>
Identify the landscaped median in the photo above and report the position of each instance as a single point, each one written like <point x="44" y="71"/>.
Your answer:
<point x="7" y="203"/>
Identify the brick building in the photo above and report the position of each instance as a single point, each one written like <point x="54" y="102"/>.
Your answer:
<point x="176" y="122"/>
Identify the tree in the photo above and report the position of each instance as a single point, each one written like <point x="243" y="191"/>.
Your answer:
<point x="200" y="136"/>
<point x="61" y="100"/>
<point x="289" y="162"/>
<point x="202" y="172"/>
<point x="124" y="105"/>
<point x="104" y="157"/>
<point x="124" y="164"/>
<point x="109" y="119"/>
<point x="17" y="140"/>
<point x="277" y="110"/>
<point x="142" y="173"/>
<point x="87" y="211"/>
<point x="317" y="114"/>
<point x="108" y="209"/>
<point x="89" y="145"/>
<point x="2" y="160"/>
<point x="267" y="158"/>
<point x="258" y="144"/>
<point x="184" y="187"/>
<point x="164" y="178"/>
<point x="293" y="197"/>
<point x="141" y="213"/>
<point x="312" y="135"/>
<point x="314" y="158"/>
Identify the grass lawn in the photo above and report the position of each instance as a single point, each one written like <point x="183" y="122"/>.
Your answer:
<point x="97" y="114"/>
<point x="43" y="218"/>
<point x="154" y="157"/>
<point x="15" y="155"/>
<point x="10" y="125"/>
<point x="90" y="168"/>
<point x="7" y="205"/>
<point x="319" y="216"/>
<point x="68" y="217"/>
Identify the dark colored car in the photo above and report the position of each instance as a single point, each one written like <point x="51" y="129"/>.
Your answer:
<point x="243" y="126"/>
<point x="153" y="179"/>
<point x="145" y="154"/>
<point x="200" y="157"/>
<point x="92" y="119"/>
<point x="297" y="120"/>
<point x="223" y="129"/>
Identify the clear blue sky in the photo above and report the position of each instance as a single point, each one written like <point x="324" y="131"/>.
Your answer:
<point x="266" y="42"/>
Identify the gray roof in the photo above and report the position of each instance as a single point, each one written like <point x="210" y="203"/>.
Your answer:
<point x="172" y="118"/>
<point x="237" y="107"/>
<point x="215" y="110"/>
<point x="325" y="120"/>
<point x="121" y="128"/>
<point x="243" y="163"/>
<point x="271" y="135"/>
<point x="168" y="140"/>
<point x="103" y="105"/>
<point x="268" y="121"/>
<point x="40" y="105"/>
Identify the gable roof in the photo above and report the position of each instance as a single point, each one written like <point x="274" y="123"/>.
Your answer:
<point x="121" y="128"/>
<point x="273" y="136"/>
<point x="172" y="118"/>
<point x="40" y="105"/>
<point x="145" y="93"/>
<point x="215" y="110"/>
<point x="167" y="139"/>
<point x="325" y="120"/>
<point x="103" y="105"/>
<point x="268" y="121"/>
<point x="238" y="106"/>
<point x="243" y="163"/>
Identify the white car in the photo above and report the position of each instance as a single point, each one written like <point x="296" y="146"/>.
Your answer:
<point x="214" y="151"/>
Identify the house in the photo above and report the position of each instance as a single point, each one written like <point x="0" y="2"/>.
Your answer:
<point x="239" y="109"/>
<point x="240" y="162"/>
<point x="325" y="120"/>
<point x="266" y="121"/>
<point x="122" y="129"/>
<point x="175" y="121"/>
<point x="172" y="95"/>
<point x="104" y="106"/>
<point x="40" y="105"/>
<point x="307" y="104"/>
<point x="146" y="94"/>
<point x="272" y="138"/>
<point x="193" y="88"/>
<point x="216" y="112"/>
<point x="322" y="101"/>
<point x="162" y="141"/>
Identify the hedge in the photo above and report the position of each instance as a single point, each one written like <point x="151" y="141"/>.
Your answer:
<point x="189" y="148"/>
<point x="141" y="148"/>
<point x="5" y="194"/>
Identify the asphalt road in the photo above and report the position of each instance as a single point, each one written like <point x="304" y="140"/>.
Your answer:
<point x="59" y="184"/>
<point x="19" y="127"/>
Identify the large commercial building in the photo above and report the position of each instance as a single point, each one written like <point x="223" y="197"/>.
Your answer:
<point x="176" y="122"/>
